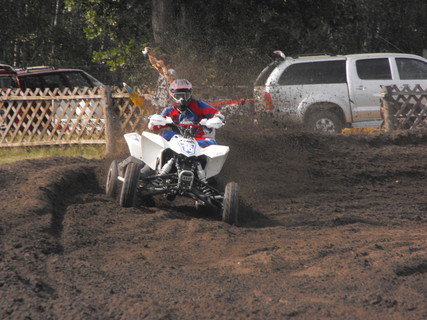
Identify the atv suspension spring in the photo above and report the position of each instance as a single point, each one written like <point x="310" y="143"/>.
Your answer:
<point x="205" y="190"/>
<point x="201" y="173"/>
<point x="167" y="167"/>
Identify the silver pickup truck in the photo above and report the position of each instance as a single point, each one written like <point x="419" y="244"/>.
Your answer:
<point x="329" y="93"/>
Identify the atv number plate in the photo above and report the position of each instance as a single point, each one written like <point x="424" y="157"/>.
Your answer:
<point x="188" y="148"/>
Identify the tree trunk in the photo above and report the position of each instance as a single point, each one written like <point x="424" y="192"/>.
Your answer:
<point x="58" y="5"/>
<point x="112" y="122"/>
<point x="161" y="19"/>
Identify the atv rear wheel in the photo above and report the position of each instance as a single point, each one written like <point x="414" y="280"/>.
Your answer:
<point x="230" y="207"/>
<point x="111" y="184"/>
<point x="130" y="183"/>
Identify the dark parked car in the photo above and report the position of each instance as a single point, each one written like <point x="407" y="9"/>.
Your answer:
<point x="45" y="77"/>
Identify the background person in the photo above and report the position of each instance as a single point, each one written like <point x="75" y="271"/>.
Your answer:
<point x="166" y="76"/>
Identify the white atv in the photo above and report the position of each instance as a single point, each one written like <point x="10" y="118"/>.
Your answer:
<point x="178" y="167"/>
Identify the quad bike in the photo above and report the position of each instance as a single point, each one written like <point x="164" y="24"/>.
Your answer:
<point x="178" y="167"/>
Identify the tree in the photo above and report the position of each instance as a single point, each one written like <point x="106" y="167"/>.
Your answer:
<point x="211" y="41"/>
<point x="161" y="16"/>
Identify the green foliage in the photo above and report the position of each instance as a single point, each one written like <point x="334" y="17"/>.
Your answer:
<point x="212" y="42"/>
<point x="114" y="28"/>
<point x="117" y="56"/>
<point x="35" y="32"/>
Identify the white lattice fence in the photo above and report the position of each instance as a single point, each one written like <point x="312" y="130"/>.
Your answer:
<point x="51" y="117"/>
<point x="46" y="117"/>
<point x="81" y="115"/>
<point x="131" y="117"/>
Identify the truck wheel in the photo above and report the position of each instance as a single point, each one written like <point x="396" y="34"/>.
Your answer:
<point x="130" y="182"/>
<point x="324" y="121"/>
<point x="111" y="185"/>
<point x="230" y="207"/>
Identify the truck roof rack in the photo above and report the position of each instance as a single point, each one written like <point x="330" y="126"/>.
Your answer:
<point x="313" y="54"/>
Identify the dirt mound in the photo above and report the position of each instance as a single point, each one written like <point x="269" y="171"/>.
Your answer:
<point x="335" y="229"/>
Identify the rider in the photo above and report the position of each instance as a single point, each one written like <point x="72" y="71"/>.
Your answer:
<point x="186" y="109"/>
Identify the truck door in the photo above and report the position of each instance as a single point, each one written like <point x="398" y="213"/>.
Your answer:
<point x="366" y="75"/>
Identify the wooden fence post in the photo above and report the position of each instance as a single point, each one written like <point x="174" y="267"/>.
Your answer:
<point x="388" y="109"/>
<point x="112" y="122"/>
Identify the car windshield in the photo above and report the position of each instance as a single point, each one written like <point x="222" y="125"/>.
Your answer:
<point x="77" y="79"/>
<point x="95" y="82"/>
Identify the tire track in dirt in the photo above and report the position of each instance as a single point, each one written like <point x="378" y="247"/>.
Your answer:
<point x="330" y="235"/>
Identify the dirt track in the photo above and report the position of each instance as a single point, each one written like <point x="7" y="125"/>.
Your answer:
<point x="335" y="229"/>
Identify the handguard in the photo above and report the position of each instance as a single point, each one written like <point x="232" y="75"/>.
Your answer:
<point x="158" y="120"/>
<point x="214" y="122"/>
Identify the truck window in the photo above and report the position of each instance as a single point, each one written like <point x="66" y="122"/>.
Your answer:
<point x="411" y="69"/>
<point x="314" y="73"/>
<point x="373" y="69"/>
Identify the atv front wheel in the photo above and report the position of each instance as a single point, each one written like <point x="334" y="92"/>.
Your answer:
<point x="230" y="207"/>
<point x="146" y="201"/>
<point x="130" y="182"/>
<point x="111" y="185"/>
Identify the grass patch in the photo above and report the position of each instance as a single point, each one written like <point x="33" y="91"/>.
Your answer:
<point x="12" y="154"/>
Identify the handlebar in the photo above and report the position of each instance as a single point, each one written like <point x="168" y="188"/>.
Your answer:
<point x="187" y="130"/>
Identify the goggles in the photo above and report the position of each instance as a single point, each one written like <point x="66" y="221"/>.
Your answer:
<point x="181" y="96"/>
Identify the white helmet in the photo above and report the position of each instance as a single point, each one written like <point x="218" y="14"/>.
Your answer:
<point x="181" y="93"/>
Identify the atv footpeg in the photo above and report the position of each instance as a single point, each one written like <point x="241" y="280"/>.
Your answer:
<point x="185" y="179"/>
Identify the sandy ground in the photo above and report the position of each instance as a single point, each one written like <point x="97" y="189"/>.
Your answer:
<point x="334" y="228"/>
